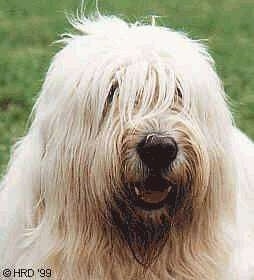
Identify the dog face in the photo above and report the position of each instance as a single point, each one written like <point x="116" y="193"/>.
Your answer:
<point x="161" y="153"/>
<point x="138" y="120"/>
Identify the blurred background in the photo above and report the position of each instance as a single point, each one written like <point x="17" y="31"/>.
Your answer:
<point x="28" y="28"/>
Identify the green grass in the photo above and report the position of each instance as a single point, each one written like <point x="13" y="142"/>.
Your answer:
<point x="28" y="27"/>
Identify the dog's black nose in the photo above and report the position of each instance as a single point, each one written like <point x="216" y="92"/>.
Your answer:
<point x="157" y="151"/>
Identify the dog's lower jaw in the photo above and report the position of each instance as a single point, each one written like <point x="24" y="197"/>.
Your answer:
<point x="145" y="239"/>
<point x="145" y="232"/>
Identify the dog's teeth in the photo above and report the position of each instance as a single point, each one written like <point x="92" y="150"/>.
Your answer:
<point x="137" y="191"/>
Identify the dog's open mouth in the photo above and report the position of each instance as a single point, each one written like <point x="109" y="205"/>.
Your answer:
<point x="152" y="193"/>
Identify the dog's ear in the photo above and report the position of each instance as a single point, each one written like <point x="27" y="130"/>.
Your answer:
<point x="23" y="177"/>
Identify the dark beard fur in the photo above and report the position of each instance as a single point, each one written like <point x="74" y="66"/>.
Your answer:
<point x="145" y="237"/>
<point x="144" y="234"/>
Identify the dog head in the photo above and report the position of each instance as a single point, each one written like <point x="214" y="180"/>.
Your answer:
<point x="134" y="120"/>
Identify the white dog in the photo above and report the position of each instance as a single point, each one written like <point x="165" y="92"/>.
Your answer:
<point x="132" y="167"/>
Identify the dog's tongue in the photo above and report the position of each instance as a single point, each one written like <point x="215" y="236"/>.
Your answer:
<point x="153" y="196"/>
<point x="154" y="190"/>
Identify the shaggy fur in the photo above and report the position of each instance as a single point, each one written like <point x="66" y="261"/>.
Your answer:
<point x="67" y="199"/>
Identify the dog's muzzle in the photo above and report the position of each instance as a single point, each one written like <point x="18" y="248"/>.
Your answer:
<point x="156" y="152"/>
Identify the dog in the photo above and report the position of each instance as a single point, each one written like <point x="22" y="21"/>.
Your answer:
<point x="132" y="167"/>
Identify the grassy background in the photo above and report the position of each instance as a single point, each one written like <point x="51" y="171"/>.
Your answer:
<point x="28" y="27"/>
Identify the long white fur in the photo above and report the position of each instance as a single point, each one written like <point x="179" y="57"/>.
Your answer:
<point x="51" y="204"/>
